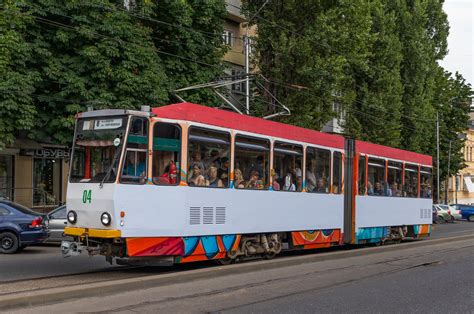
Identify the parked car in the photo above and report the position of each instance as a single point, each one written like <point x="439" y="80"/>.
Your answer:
<point x="20" y="227"/>
<point x="435" y="215"/>
<point x="467" y="211"/>
<point x="455" y="213"/>
<point x="443" y="215"/>
<point x="57" y="222"/>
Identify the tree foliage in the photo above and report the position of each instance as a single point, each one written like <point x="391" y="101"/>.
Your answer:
<point x="17" y="77"/>
<point x="378" y="59"/>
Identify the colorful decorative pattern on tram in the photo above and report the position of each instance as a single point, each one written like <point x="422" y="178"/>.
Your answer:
<point x="316" y="238"/>
<point x="188" y="249"/>
<point x="422" y="230"/>
<point x="372" y="234"/>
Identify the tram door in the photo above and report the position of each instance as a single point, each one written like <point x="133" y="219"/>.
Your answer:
<point x="349" y="195"/>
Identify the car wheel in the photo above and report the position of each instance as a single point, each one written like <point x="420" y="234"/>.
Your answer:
<point x="452" y="219"/>
<point x="470" y="218"/>
<point x="8" y="243"/>
<point x="441" y="219"/>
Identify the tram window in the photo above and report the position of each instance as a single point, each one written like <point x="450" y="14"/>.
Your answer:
<point x="410" y="188"/>
<point x="337" y="173"/>
<point x="134" y="165"/>
<point x="318" y="173"/>
<point x="362" y="175"/>
<point x="394" y="173"/>
<point x="166" y="154"/>
<point x="209" y="158"/>
<point x="425" y="182"/>
<point x="287" y="161"/>
<point x="376" y="177"/>
<point x="251" y="163"/>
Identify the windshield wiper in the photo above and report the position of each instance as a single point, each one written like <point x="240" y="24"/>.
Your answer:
<point x="107" y="174"/>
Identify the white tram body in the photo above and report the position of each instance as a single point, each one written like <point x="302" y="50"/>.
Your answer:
<point x="132" y="193"/>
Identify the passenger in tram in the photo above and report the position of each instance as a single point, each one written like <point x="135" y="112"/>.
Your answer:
<point x="289" y="182"/>
<point x="239" y="182"/>
<point x="426" y="192"/>
<point x="274" y="178"/>
<point x="320" y="186"/>
<point x="254" y="181"/>
<point x="134" y="167"/>
<point x="214" y="160"/>
<point x="214" y="181"/>
<point x="196" y="177"/>
<point x="196" y="158"/>
<point x="223" y="171"/>
<point x="395" y="191"/>
<point x="310" y="178"/>
<point x="378" y="190"/>
<point x="258" y="166"/>
<point x="370" y="188"/>
<point x="170" y="175"/>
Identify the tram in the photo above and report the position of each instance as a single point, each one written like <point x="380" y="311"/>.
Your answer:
<point x="186" y="182"/>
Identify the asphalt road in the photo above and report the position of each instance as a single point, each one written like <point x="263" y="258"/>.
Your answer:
<point x="47" y="261"/>
<point x="436" y="278"/>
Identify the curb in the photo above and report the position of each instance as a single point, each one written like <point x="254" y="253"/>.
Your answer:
<point x="53" y="295"/>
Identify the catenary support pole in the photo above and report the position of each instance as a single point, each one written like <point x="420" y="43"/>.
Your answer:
<point x="437" y="157"/>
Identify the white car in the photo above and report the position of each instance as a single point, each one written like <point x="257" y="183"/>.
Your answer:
<point x="456" y="214"/>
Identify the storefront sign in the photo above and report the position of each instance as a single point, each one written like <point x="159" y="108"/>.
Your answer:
<point x="52" y="153"/>
<point x="47" y="153"/>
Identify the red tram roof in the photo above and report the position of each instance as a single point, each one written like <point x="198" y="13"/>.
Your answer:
<point x="231" y="120"/>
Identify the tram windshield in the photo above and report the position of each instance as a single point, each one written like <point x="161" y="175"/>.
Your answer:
<point x="97" y="148"/>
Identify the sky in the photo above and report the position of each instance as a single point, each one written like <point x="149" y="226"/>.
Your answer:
<point x="461" y="38"/>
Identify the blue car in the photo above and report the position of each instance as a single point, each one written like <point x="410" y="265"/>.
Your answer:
<point x="467" y="211"/>
<point x="20" y="227"/>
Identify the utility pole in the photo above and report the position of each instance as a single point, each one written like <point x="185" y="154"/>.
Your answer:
<point x="247" y="70"/>
<point x="437" y="155"/>
<point x="247" y="57"/>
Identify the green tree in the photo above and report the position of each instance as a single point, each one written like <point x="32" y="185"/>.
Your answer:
<point x="306" y="50"/>
<point x="17" y="77"/>
<point x="188" y="36"/>
<point x="91" y="53"/>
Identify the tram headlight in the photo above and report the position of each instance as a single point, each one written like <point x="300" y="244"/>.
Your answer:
<point x="105" y="219"/>
<point x="72" y="217"/>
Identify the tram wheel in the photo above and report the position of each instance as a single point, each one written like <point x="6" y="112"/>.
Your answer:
<point x="225" y="261"/>
<point x="269" y="255"/>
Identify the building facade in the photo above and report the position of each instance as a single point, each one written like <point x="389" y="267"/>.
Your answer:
<point x="34" y="174"/>
<point x="461" y="186"/>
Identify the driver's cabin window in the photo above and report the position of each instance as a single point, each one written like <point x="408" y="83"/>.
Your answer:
<point x="135" y="162"/>
<point x="166" y="154"/>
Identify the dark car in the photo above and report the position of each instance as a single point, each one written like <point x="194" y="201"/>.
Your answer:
<point x="467" y="211"/>
<point x="20" y="227"/>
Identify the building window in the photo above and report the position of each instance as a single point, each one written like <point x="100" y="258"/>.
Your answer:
<point x="227" y="38"/>
<point x="238" y="87"/>
<point x="6" y="176"/>
<point x="46" y="181"/>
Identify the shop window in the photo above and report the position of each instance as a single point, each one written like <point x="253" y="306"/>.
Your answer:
<point x="410" y="188"/>
<point x="394" y="178"/>
<point x="166" y="165"/>
<point x="135" y="161"/>
<point x="318" y="170"/>
<point x="6" y="176"/>
<point x="376" y="178"/>
<point x="287" y="162"/>
<point x="209" y="158"/>
<point x="337" y="173"/>
<point x="425" y="182"/>
<point x="47" y="177"/>
<point x="251" y="165"/>
<point x="362" y="175"/>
